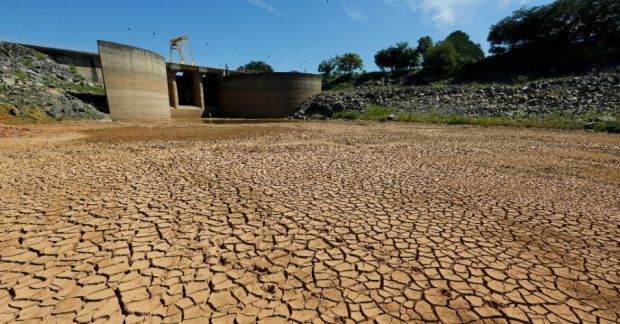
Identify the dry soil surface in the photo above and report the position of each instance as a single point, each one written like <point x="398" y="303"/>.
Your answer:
<point x="308" y="222"/>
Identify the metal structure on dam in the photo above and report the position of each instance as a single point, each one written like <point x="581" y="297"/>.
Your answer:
<point x="141" y="84"/>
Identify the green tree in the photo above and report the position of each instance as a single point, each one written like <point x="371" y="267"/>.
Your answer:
<point x="256" y="67"/>
<point x="349" y="62"/>
<point x="424" y="43"/>
<point x="441" y="59"/>
<point x="397" y="58"/>
<point x="384" y="59"/>
<point x="467" y="51"/>
<point x="328" y="66"/>
<point x="560" y="26"/>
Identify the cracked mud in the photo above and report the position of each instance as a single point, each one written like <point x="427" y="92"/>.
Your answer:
<point x="309" y="222"/>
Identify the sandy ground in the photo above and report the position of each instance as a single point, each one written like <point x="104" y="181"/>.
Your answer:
<point x="308" y="222"/>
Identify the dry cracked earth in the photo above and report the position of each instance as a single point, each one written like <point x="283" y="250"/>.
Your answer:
<point x="308" y="222"/>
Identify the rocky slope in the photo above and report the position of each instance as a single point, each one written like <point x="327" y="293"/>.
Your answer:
<point x="34" y="86"/>
<point x="595" y="93"/>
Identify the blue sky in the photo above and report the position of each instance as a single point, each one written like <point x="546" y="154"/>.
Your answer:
<point x="288" y="34"/>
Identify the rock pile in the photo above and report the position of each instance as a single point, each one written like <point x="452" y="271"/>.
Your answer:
<point x="594" y="93"/>
<point x="32" y="86"/>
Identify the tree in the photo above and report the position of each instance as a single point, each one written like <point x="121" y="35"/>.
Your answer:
<point x="256" y="67"/>
<point x="565" y="36"/>
<point x="384" y="60"/>
<point x="397" y="58"/>
<point x="441" y="58"/>
<point x="328" y="66"/>
<point x="424" y="43"/>
<point x="467" y="51"/>
<point x="450" y="55"/>
<point x="563" y="24"/>
<point x="349" y="62"/>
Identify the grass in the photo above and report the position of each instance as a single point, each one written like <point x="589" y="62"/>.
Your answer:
<point x="590" y="121"/>
<point x="347" y="114"/>
<point x="342" y="86"/>
<point x="39" y="55"/>
<point x="26" y="115"/>
<point x="19" y="74"/>
<point x="373" y="113"/>
<point x="82" y="88"/>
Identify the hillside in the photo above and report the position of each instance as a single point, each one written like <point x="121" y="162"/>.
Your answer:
<point x="592" y="98"/>
<point x="32" y="86"/>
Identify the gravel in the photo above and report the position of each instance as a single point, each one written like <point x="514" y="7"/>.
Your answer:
<point x="595" y="93"/>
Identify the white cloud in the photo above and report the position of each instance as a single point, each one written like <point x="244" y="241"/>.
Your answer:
<point x="353" y="12"/>
<point x="446" y="13"/>
<point x="265" y="5"/>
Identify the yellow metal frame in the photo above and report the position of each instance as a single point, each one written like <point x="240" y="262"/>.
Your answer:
<point x="181" y="44"/>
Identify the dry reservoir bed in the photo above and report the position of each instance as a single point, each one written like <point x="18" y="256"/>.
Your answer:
<point x="306" y="222"/>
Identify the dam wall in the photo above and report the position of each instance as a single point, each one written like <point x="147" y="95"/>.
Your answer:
<point x="266" y="95"/>
<point x="135" y="82"/>
<point x="86" y="64"/>
<point x="140" y="84"/>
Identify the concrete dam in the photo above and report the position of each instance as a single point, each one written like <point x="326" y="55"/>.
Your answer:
<point x="141" y="84"/>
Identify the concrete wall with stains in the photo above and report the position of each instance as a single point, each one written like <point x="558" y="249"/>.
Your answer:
<point x="266" y="95"/>
<point x="135" y="82"/>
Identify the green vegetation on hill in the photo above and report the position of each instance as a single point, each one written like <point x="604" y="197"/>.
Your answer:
<point x="400" y="61"/>
<point x="562" y="38"/>
<point x="562" y="24"/>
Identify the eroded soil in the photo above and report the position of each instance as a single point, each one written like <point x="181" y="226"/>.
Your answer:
<point x="308" y="222"/>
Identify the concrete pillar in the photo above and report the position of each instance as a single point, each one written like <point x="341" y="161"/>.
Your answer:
<point x="173" y="92"/>
<point x="198" y="93"/>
